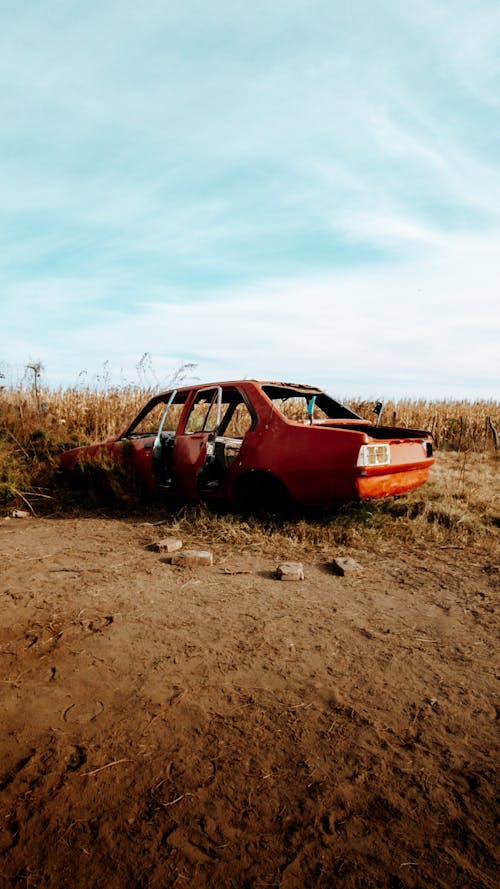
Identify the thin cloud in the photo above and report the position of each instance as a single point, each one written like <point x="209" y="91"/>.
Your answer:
<point x="411" y="329"/>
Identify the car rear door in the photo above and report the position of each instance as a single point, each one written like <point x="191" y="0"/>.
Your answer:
<point x="195" y="441"/>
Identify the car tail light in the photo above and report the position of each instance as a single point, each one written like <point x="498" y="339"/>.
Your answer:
<point x="374" y="455"/>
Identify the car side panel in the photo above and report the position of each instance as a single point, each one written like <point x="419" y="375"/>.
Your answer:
<point x="136" y="455"/>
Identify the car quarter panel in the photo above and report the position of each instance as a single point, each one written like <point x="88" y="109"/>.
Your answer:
<point x="317" y="463"/>
<point x="313" y="463"/>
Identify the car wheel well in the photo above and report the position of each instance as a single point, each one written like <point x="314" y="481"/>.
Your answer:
<point x="259" y="490"/>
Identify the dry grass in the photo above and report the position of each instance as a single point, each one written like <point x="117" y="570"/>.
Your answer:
<point x="455" y="425"/>
<point x="37" y="424"/>
<point x="461" y="496"/>
<point x="93" y="413"/>
<point x="88" y="413"/>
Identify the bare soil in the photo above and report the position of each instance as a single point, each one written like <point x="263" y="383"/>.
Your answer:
<point x="215" y="727"/>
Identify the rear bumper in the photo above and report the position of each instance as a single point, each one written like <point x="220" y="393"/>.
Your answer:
<point x="391" y="484"/>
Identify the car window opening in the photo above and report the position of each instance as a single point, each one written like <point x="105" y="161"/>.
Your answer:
<point x="149" y="420"/>
<point x="225" y="437"/>
<point x="305" y="405"/>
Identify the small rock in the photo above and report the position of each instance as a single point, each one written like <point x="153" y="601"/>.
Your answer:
<point x="192" y="557"/>
<point x="167" y="545"/>
<point x="345" y="566"/>
<point x="290" y="571"/>
<point x="20" y="514"/>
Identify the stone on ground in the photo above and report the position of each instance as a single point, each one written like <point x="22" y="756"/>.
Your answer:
<point x="346" y="566"/>
<point x="290" y="571"/>
<point x="192" y="557"/>
<point x="167" y="545"/>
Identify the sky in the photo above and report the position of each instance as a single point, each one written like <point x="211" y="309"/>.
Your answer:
<point x="303" y="190"/>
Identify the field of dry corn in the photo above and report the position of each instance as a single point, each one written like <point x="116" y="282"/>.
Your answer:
<point x="38" y="423"/>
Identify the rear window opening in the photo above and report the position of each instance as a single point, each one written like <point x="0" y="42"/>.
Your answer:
<point x="305" y="404"/>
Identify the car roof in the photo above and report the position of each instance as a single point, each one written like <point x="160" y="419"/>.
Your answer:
<point x="268" y="384"/>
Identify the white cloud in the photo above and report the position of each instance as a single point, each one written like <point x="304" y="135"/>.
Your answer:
<point x="428" y="326"/>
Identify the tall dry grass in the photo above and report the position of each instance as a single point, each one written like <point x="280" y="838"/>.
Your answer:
<point x="93" y="413"/>
<point x="455" y="425"/>
<point x="37" y="423"/>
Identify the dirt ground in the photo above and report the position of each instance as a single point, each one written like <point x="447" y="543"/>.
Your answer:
<point x="215" y="727"/>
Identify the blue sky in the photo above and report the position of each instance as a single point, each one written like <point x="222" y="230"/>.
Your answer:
<point x="283" y="190"/>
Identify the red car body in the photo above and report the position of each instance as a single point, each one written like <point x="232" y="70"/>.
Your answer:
<point x="249" y="441"/>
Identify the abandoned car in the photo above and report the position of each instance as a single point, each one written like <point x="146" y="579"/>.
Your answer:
<point x="256" y="443"/>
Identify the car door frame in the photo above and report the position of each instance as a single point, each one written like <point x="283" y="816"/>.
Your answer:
<point x="192" y="449"/>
